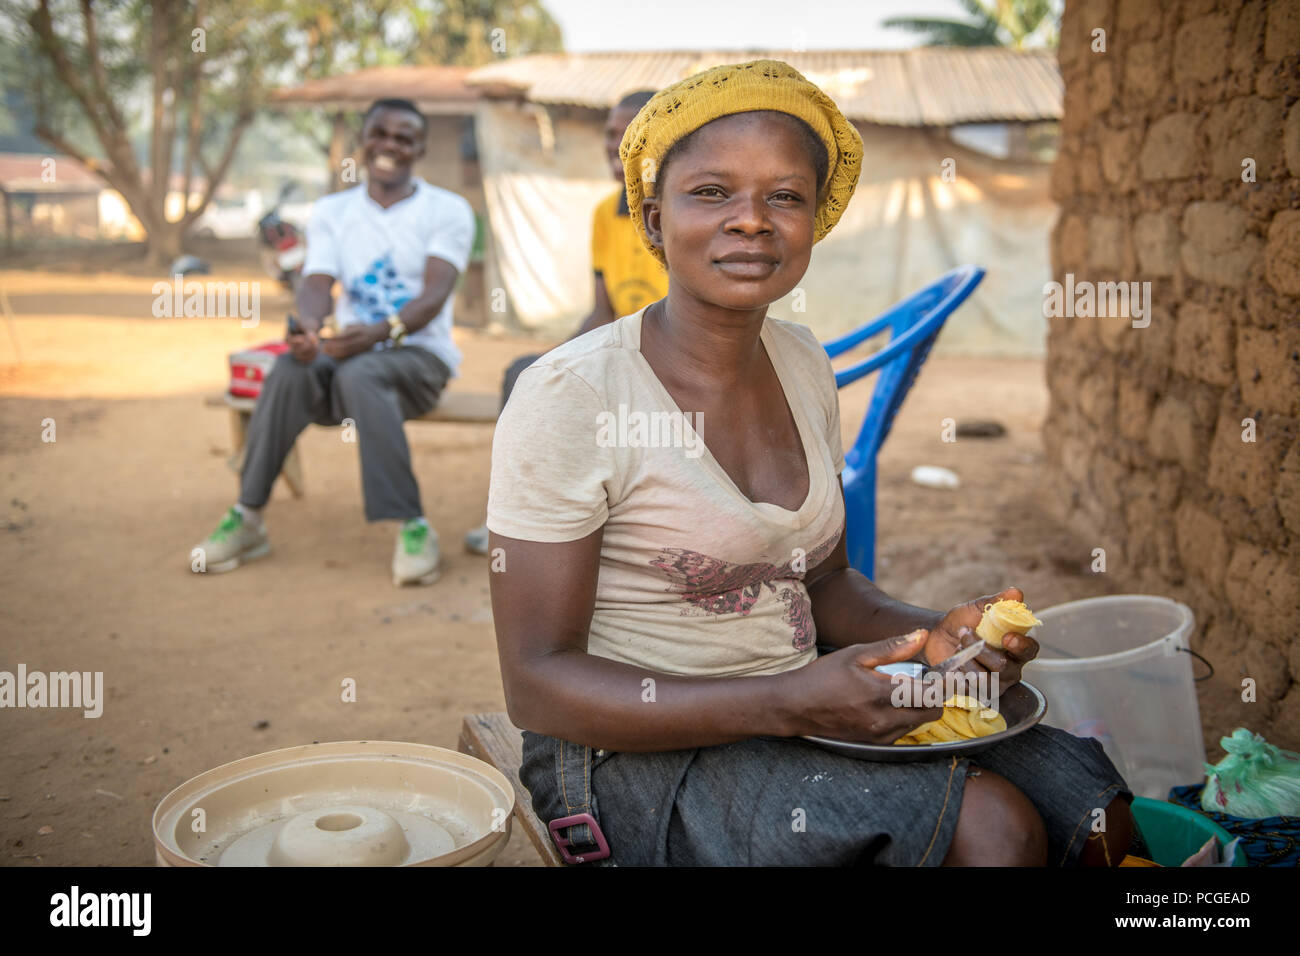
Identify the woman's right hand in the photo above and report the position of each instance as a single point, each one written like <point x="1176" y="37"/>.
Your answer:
<point x="841" y="695"/>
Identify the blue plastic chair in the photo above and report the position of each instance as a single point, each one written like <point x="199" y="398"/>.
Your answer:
<point x="914" y="324"/>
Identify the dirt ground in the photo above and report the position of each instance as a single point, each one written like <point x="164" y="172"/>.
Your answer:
<point x="203" y="669"/>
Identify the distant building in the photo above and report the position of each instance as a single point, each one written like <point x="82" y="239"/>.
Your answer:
<point x="54" y="199"/>
<point x="48" y="197"/>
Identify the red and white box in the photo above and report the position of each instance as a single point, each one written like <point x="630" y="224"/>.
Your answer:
<point x="250" y="367"/>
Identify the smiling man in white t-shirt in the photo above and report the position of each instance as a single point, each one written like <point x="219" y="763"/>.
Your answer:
<point x="396" y="246"/>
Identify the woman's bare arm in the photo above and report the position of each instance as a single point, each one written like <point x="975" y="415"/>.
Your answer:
<point x="542" y="603"/>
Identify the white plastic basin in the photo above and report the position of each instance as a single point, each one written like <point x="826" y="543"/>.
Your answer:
<point x="355" y="803"/>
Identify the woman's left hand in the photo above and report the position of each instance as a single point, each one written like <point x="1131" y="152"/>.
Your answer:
<point x="957" y="630"/>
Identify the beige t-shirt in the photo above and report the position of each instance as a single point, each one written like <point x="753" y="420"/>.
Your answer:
<point x="695" y="579"/>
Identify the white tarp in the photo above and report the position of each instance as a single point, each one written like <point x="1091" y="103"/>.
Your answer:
<point x="541" y="184"/>
<point x="907" y="224"/>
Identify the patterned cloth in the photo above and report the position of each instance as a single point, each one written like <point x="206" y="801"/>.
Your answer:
<point x="1271" y="841"/>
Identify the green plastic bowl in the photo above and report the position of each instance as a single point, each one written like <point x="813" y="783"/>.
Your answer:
<point x="1174" y="833"/>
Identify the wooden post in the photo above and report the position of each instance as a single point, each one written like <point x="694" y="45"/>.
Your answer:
<point x="340" y="135"/>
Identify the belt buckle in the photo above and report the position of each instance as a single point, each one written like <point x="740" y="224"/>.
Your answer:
<point x="563" y="843"/>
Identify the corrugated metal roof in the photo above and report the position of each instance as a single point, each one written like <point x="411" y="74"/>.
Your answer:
<point x="438" y="89"/>
<point x="927" y="86"/>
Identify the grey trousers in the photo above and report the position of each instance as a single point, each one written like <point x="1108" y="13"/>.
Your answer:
<point x="377" y="390"/>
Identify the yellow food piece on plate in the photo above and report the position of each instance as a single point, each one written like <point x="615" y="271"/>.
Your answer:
<point x="963" y="718"/>
<point x="1003" y="618"/>
<point x="956" y="718"/>
<point x="984" y="726"/>
<point x="939" y="729"/>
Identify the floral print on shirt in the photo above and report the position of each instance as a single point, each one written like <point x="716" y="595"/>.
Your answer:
<point x="713" y="586"/>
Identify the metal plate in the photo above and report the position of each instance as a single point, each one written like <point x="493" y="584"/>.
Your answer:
<point x="1023" y="706"/>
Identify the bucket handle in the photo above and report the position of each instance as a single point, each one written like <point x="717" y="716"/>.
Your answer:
<point x="1203" y="661"/>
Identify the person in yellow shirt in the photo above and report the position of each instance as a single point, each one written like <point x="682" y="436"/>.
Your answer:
<point x="625" y="275"/>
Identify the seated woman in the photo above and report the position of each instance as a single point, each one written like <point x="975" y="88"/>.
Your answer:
<point x="668" y="548"/>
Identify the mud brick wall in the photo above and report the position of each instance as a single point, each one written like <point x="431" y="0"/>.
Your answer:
<point x="1144" y="436"/>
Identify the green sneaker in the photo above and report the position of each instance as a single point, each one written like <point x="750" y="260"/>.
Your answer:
<point x="415" y="559"/>
<point x="234" y="542"/>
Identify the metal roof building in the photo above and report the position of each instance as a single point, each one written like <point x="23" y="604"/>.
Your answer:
<point x="436" y="90"/>
<point x="932" y="86"/>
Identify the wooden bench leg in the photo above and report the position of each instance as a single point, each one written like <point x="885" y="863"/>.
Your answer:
<point x="291" y="471"/>
<point x="494" y="740"/>
<point x="238" y="438"/>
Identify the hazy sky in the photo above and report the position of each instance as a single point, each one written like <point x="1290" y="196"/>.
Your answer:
<point x="739" y="24"/>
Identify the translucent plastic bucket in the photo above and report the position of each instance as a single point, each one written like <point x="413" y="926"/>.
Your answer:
<point x="1114" y="668"/>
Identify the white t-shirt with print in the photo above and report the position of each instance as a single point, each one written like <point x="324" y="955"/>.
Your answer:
<point x="695" y="579"/>
<point x="378" y="255"/>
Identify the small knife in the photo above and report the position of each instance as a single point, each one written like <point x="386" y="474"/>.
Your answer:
<point x="954" y="662"/>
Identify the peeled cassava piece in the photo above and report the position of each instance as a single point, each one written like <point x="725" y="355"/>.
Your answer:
<point x="1003" y="618"/>
<point x="963" y="718"/>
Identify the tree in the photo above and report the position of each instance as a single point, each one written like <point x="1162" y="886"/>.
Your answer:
<point x="474" y="32"/>
<point x="336" y="36"/>
<point x="1009" y="23"/>
<point x="191" y="72"/>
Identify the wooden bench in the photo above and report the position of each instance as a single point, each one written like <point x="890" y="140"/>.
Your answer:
<point x="464" y="407"/>
<point x="493" y="739"/>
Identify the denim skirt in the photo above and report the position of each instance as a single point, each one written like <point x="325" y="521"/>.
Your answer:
<point x="787" y="802"/>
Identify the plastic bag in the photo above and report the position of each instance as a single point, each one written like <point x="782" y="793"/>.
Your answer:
<point x="1255" y="780"/>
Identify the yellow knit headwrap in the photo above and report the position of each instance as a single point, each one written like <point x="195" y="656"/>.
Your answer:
<point x="684" y="107"/>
